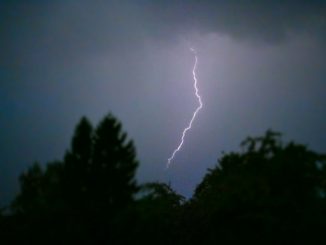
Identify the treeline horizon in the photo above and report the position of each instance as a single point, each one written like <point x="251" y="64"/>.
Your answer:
<point x="270" y="192"/>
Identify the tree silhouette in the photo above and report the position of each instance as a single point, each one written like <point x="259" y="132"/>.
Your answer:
<point x="31" y="197"/>
<point x="77" y="162"/>
<point x="269" y="193"/>
<point x="113" y="164"/>
<point x="78" y="198"/>
<point x="157" y="214"/>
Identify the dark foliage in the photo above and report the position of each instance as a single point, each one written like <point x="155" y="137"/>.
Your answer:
<point x="76" y="200"/>
<point x="269" y="193"/>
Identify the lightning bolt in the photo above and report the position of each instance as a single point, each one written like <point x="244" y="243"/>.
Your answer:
<point x="195" y="112"/>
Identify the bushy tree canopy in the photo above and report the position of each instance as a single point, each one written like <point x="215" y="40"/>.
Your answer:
<point x="269" y="192"/>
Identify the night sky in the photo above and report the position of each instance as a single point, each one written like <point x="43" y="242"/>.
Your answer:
<point x="261" y="65"/>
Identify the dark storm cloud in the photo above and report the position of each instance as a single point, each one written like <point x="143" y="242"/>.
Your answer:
<point x="66" y="28"/>
<point x="60" y="33"/>
<point x="264" y="20"/>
